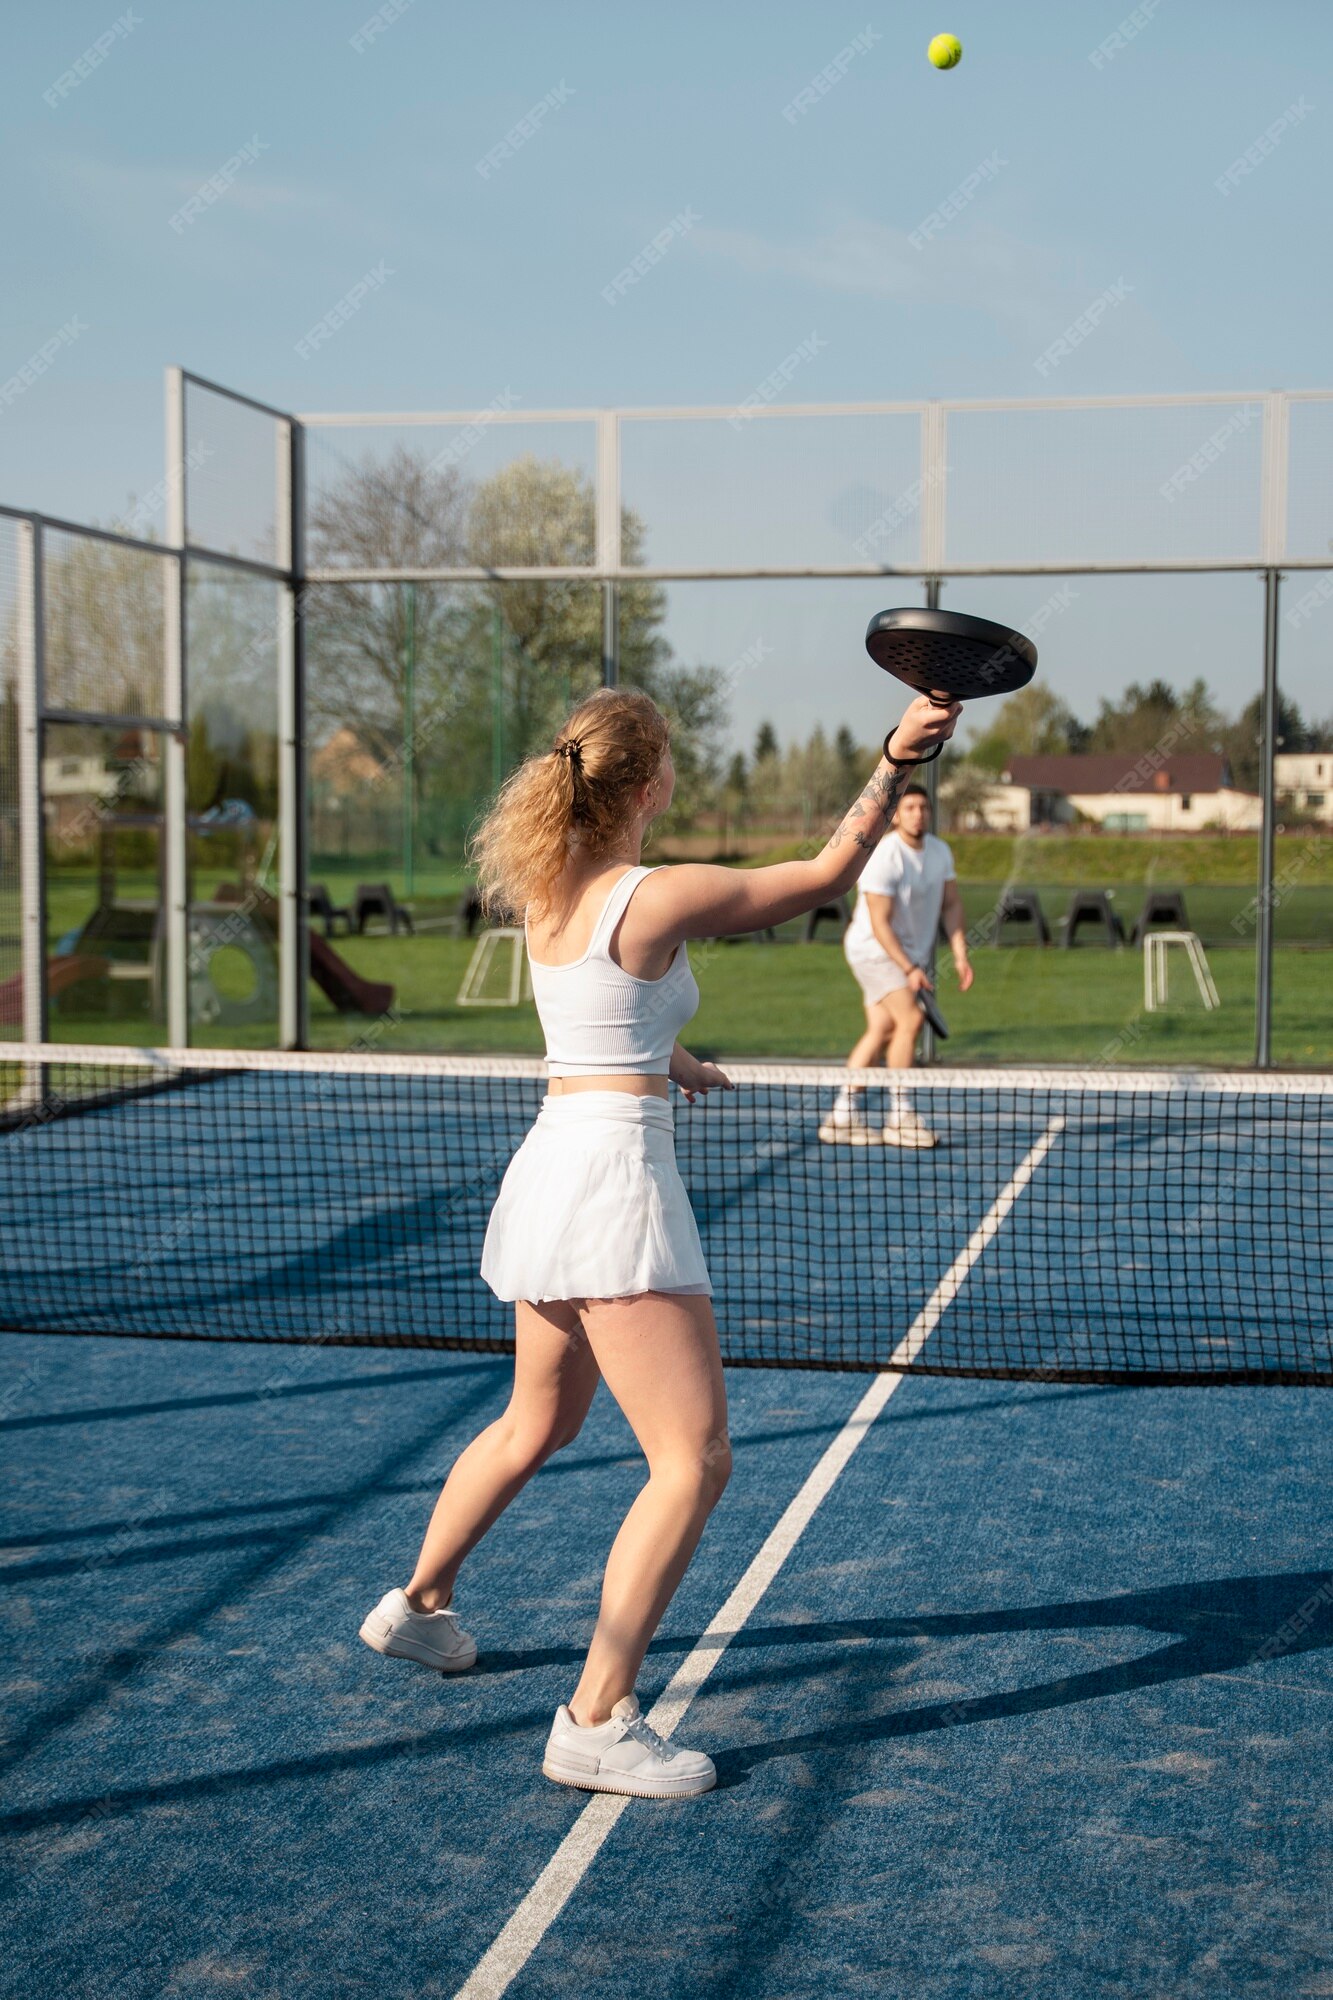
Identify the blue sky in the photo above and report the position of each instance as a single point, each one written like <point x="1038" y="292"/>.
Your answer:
<point x="1103" y="173"/>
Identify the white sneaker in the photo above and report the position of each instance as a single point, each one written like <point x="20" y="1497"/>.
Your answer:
<point x="435" y="1638"/>
<point x="624" y="1755"/>
<point x="841" y="1129"/>
<point x="907" y="1129"/>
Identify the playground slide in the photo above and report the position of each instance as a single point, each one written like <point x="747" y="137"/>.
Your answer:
<point x="349" y="992"/>
<point x="61" y="973"/>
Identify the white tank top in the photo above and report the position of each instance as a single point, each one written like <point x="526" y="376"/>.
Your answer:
<point x="600" y="1020"/>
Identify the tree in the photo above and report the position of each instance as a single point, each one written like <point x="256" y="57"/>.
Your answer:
<point x="535" y="513"/>
<point x="1146" y="717"/>
<point x="803" y="786"/>
<point x="765" y="743"/>
<point x="104" y="627"/>
<point x="1034" y="722"/>
<point x="398" y="513"/>
<point x="491" y="667"/>
<point x="232" y="648"/>
<point x="964" y="793"/>
<point x="1243" y="740"/>
<point x="852" y="759"/>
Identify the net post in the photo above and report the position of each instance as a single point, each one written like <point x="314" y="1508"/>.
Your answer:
<point x="32" y="846"/>
<point x="1268" y="734"/>
<point x="175" y="881"/>
<point x="293" y="830"/>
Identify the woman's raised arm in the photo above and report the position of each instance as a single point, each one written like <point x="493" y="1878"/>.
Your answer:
<point x="689" y="901"/>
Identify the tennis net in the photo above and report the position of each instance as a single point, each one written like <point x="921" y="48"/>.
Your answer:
<point x="1068" y="1225"/>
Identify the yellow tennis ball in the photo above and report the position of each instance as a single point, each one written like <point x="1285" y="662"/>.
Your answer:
<point x="946" y="51"/>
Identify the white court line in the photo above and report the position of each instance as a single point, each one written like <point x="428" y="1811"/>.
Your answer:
<point x="505" y="1959"/>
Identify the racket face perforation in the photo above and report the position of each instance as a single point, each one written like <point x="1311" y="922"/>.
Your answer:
<point x="950" y="653"/>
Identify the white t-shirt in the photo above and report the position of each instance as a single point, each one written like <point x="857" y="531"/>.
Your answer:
<point x="915" y="878"/>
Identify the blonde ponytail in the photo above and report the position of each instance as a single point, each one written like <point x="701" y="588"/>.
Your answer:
<point x="582" y="792"/>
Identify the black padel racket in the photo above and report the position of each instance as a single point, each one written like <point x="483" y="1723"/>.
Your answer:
<point x="949" y="655"/>
<point x="930" y="1008"/>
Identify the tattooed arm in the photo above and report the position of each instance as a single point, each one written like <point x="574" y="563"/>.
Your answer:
<point x="696" y="902"/>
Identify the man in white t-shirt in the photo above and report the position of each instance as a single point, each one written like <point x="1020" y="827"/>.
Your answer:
<point x="907" y="890"/>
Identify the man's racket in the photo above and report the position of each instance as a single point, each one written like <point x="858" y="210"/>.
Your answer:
<point x="930" y="1008"/>
<point x="950" y="655"/>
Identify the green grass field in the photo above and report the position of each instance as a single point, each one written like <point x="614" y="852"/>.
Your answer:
<point x="787" y="999"/>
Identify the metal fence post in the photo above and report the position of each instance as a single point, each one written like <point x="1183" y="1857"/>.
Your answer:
<point x="610" y="635"/>
<point x="608" y="539"/>
<point x="293" y="825"/>
<point x="934" y="473"/>
<point x="1268" y="735"/>
<point x="175" y="740"/>
<point x="930" y="779"/>
<point x="31" y="825"/>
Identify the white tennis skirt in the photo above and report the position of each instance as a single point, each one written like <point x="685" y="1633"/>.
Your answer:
<point x="592" y="1205"/>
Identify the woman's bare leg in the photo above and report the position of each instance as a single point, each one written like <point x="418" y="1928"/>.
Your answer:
<point x="555" y="1377"/>
<point x="658" y="1355"/>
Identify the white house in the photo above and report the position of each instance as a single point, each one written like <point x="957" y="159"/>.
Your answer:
<point x="79" y="776"/>
<point x="1305" y="777"/>
<point x="1155" y="792"/>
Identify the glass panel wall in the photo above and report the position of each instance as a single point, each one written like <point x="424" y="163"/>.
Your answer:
<point x="232" y="475"/>
<point x="232" y="805"/>
<point x="1121" y="789"/>
<point x="11" y="922"/>
<point x="421" y="698"/>
<point x="104" y="617"/>
<point x="1303" y="860"/>
<point x="102" y="803"/>
<point x="1121" y="792"/>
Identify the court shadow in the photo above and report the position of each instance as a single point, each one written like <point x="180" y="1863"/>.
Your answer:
<point x="265" y="1392"/>
<point x="742" y="1441"/>
<point x="193" y="1517"/>
<point x="1212" y="1627"/>
<point x="93" y="1681"/>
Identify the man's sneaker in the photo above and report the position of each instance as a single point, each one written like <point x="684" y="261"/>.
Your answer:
<point x="624" y="1755"/>
<point x="842" y="1128"/>
<point x="435" y="1638"/>
<point x="907" y="1129"/>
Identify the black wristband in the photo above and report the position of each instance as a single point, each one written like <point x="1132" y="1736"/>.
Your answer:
<point x="909" y="763"/>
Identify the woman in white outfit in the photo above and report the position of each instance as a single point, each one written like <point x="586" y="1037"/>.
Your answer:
<point x="592" y="1236"/>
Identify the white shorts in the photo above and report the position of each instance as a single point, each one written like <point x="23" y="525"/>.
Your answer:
<point x="592" y="1205"/>
<point x="874" y="971"/>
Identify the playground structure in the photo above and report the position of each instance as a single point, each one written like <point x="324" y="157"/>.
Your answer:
<point x="113" y="964"/>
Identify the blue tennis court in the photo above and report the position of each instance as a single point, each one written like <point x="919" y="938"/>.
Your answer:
<point x="1014" y="1687"/>
<point x="1035" y="1704"/>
